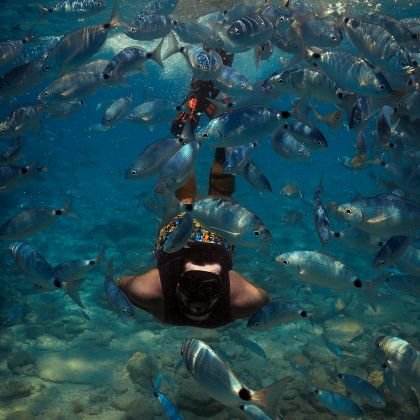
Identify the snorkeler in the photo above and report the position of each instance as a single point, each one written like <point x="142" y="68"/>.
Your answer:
<point x="196" y="285"/>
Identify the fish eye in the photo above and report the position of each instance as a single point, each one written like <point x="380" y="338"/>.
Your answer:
<point x="319" y="142"/>
<point x="46" y="93"/>
<point x="281" y="19"/>
<point x="333" y="37"/>
<point x="205" y="135"/>
<point x="269" y="87"/>
<point x="280" y="80"/>
<point x="403" y="63"/>
<point x="349" y="211"/>
<point x="300" y="152"/>
<point x="381" y="87"/>
<point x="237" y="30"/>
<point x="133" y="172"/>
<point x="243" y="85"/>
<point x="92" y="262"/>
<point x="256" y="233"/>
<point x="285" y="262"/>
<point x="133" y="29"/>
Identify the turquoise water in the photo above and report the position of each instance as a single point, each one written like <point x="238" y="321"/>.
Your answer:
<point x="58" y="364"/>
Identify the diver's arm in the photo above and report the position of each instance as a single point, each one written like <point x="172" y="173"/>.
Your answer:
<point x="144" y="291"/>
<point x="245" y="298"/>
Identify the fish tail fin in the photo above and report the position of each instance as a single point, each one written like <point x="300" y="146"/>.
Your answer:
<point x="173" y="46"/>
<point x="66" y="209"/>
<point x="156" y="54"/>
<point x="115" y="20"/>
<point x="266" y="397"/>
<point x="72" y="289"/>
<point x="371" y="296"/>
<point x="100" y="258"/>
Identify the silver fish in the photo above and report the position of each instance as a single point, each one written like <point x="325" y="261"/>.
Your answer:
<point x="313" y="30"/>
<point x="322" y="222"/>
<point x="34" y="266"/>
<point x="338" y="404"/>
<point x="274" y="313"/>
<point x="232" y="81"/>
<point x="398" y="29"/>
<point x="230" y="220"/>
<point x="377" y="45"/>
<point x="129" y="60"/>
<point x="255" y="412"/>
<point x="21" y="79"/>
<point x="10" y="49"/>
<point x="76" y="47"/>
<point x="147" y="27"/>
<point x="67" y="9"/>
<point x="384" y="214"/>
<point x="402" y="358"/>
<point x="24" y="119"/>
<point x="12" y="176"/>
<point x="77" y="269"/>
<point x="155" y="111"/>
<point x="211" y="373"/>
<point x="117" y="110"/>
<point x="319" y="268"/>
<point x="175" y="171"/>
<point x="71" y="86"/>
<point x="179" y="237"/>
<point x="116" y="297"/>
<point x="205" y="65"/>
<point x="255" y="177"/>
<point x="351" y="73"/>
<point x="303" y="82"/>
<point x="31" y="221"/>
<point x="362" y="389"/>
<point x="193" y="32"/>
<point x="250" y="30"/>
<point x="153" y="157"/>
<point x="403" y="283"/>
<point x="285" y="145"/>
<point x="308" y="135"/>
<point x="241" y="126"/>
<point x="237" y="157"/>
<point x="393" y="248"/>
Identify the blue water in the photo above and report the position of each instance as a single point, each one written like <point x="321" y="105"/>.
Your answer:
<point x="57" y="364"/>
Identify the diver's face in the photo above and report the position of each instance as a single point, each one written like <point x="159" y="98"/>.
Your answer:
<point x="198" y="288"/>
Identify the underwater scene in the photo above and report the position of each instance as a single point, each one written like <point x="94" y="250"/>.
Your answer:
<point x="209" y="209"/>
